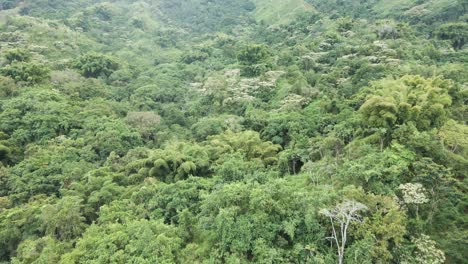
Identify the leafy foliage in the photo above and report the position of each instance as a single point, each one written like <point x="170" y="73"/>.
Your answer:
<point x="457" y="33"/>
<point x="216" y="131"/>
<point x="29" y="73"/>
<point x="255" y="59"/>
<point x="96" y="65"/>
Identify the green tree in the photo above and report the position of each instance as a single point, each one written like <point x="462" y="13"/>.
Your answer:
<point x="18" y="224"/>
<point x="39" y="114"/>
<point x="47" y="170"/>
<point x="411" y="99"/>
<point x="385" y="223"/>
<point x="456" y="32"/>
<point x="177" y="161"/>
<point x="64" y="220"/>
<point x="17" y="55"/>
<point x="30" y="73"/>
<point x="255" y="59"/>
<point x="106" y="135"/>
<point x="40" y="250"/>
<point x="139" y="241"/>
<point x="425" y="251"/>
<point x="251" y="222"/>
<point x="94" y="65"/>
<point x="8" y="88"/>
<point x="8" y="4"/>
<point x="247" y="143"/>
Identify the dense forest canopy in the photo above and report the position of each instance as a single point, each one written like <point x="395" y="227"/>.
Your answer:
<point x="233" y="131"/>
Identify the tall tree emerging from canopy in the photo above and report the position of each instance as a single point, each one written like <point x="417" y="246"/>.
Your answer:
<point x="343" y="215"/>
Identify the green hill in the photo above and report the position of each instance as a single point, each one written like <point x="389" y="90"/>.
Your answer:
<point x="233" y="131"/>
<point x="280" y="12"/>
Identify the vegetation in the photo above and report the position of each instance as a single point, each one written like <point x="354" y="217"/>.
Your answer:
<point x="247" y="131"/>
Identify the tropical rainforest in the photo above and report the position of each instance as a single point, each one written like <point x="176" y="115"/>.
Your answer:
<point x="233" y="131"/>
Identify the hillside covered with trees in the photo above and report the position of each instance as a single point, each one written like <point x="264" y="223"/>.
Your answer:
<point x="233" y="131"/>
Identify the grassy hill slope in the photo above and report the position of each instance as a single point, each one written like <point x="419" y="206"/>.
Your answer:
<point x="280" y="11"/>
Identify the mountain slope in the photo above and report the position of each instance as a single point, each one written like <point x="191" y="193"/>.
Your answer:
<point x="233" y="131"/>
<point x="280" y="11"/>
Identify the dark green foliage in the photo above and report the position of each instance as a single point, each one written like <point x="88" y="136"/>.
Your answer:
<point x="255" y="223"/>
<point x="456" y="33"/>
<point x="35" y="116"/>
<point x="194" y="56"/>
<point x="27" y="72"/>
<point x="254" y="59"/>
<point x="18" y="55"/>
<point x="7" y="87"/>
<point x="48" y="170"/>
<point x="106" y="135"/>
<point x="210" y="126"/>
<point x="5" y="155"/>
<point x="8" y="4"/>
<point x="94" y="65"/>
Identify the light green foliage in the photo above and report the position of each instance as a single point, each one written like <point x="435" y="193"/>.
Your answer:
<point x="280" y="12"/>
<point x="413" y="193"/>
<point x="384" y="224"/>
<point x="64" y="220"/>
<point x="198" y="15"/>
<point x="207" y="127"/>
<point x="425" y="251"/>
<point x="7" y="87"/>
<point x="237" y="167"/>
<point x="139" y="241"/>
<point x="454" y="137"/>
<point x="410" y="99"/>
<point x="42" y="250"/>
<point x="145" y="122"/>
<point x="247" y="143"/>
<point x="175" y="162"/>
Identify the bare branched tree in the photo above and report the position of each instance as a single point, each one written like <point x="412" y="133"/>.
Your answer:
<point x="343" y="215"/>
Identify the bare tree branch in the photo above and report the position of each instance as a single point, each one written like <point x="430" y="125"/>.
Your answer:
<point x="344" y="214"/>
